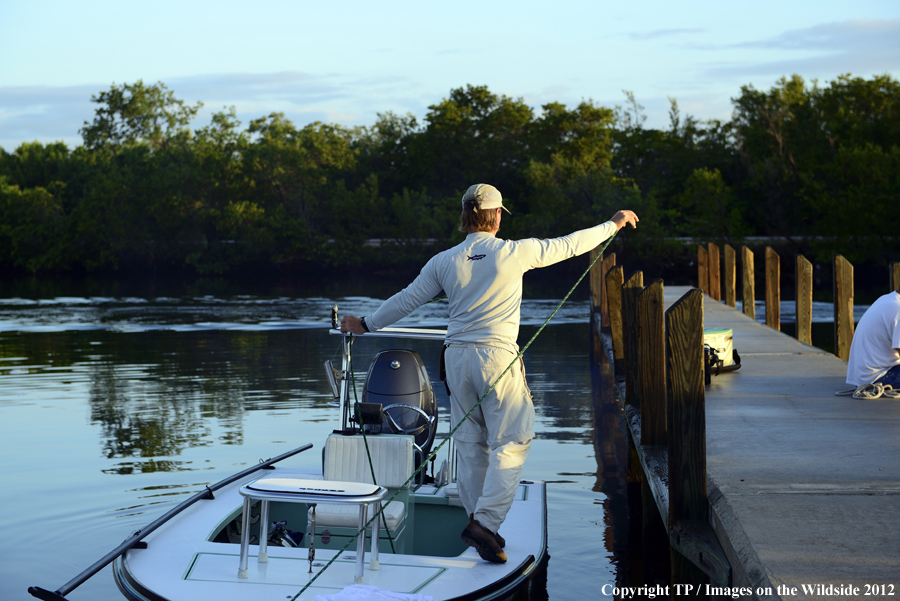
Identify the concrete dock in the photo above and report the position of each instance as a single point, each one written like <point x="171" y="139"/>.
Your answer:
<point x="804" y="486"/>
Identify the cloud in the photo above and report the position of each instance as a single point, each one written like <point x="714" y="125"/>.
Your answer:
<point x="294" y="86"/>
<point x="860" y="47"/>
<point x="47" y="113"/>
<point x="43" y="113"/>
<point x="831" y="36"/>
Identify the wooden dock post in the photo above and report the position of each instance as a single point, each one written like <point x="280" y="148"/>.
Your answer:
<point x="715" y="273"/>
<point x="606" y="263"/>
<point x="773" y="289"/>
<point x="615" y="278"/>
<point x="689" y="531"/>
<point x="748" y="282"/>
<point x="652" y="343"/>
<point x="804" y="296"/>
<point x="595" y="280"/>
<point x="843" y="307"/>
<point x="702" y="269"/>
<point x="599" y="302"/>
<point x="730" y="272"/>
<point x="630" y="291"/>
<point x="895" y="276"/>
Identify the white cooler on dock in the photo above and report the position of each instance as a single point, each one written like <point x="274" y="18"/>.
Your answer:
<point x="720" y="340"/>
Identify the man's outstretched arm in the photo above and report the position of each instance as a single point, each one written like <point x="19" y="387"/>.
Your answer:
<point x="534" y="253"/>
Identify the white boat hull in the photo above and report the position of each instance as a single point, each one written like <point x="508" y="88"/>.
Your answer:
<point x="182" y="563"/>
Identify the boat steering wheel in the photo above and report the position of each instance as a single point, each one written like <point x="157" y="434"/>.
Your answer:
<point x="398" y="429"/>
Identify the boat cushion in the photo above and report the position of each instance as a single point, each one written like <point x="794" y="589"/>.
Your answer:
<point x="329" y="488"/>
<point x="347" y="516"/>
<point x="392" y="458"/>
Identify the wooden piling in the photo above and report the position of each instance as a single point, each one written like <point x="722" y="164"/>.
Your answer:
<point x="685" y="410"/>
<point x="773" y="289"/>
<point x="895" y="276"/>
<point x="652" y="344"/>
<point x="748" y="282"/>
<point x="843" y="307"/>
<point x="804" y="296"/>
<point x="652" y="378"/>
<point x="730" y="272"/>
<point x="614" y="280"/>
<point x="630" y="291"/>
<point x="702" y="269"/>
<point x="595" y="280"/>
<point x="606" y="263"/>
<point x="598" y="284"/>
<point x="715" y="273"/>
<point x="597" y="297"/>
<point x="688" y="523"/>
<point x="599" y="303"/>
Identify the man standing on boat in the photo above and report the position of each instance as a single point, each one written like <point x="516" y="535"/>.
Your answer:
<point x="482" y="278"/>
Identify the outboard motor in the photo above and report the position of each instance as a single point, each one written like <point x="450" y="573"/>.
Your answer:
<point x="397" y="380"/>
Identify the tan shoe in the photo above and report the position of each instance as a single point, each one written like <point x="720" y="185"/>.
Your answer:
<point x="484" y="541"/>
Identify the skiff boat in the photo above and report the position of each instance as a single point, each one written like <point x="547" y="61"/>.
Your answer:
<point x="274" y="533"/>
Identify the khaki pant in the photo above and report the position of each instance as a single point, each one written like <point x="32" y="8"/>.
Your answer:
<point x="493" y="443"/>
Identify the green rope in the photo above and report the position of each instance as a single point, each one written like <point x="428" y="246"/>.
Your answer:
<point x="362" y="429"/>
<point x="465" y="417"/>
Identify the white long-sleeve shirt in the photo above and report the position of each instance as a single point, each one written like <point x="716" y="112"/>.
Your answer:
<point x="876" y="343"/>
<point x="482" y="278"/>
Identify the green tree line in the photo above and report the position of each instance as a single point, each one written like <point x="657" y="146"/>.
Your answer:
<point x="816" y="166"/>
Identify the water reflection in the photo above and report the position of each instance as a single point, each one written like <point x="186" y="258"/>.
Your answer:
<point x="155" y="392"/>
<point x="609" y="438"/>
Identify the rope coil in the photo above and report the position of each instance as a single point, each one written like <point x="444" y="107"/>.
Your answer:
<point x="871" y="391"/>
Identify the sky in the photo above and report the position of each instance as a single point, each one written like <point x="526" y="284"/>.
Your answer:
<point x="346" y="61"/>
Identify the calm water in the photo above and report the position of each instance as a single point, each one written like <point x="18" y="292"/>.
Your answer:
<point x="822" y="330"/>
<point x="115" y="408"/>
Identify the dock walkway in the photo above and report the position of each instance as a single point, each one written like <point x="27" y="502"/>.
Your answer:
<point x="804" y="486"/>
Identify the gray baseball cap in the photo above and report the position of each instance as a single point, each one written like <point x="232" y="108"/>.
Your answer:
<point x="486" y="195"/>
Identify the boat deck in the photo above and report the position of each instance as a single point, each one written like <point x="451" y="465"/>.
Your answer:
<point x="181" y="563"/>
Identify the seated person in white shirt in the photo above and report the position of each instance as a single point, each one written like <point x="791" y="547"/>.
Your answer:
<point x="875" y="351"/>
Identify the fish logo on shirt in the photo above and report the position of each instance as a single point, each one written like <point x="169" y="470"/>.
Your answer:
<point x="476" y="257"/>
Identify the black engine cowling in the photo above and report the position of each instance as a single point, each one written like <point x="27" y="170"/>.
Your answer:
<point x="398" y="381"/>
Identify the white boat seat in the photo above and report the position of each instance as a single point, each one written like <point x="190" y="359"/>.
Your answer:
<point x="347" y="516"/>
<point x="346" y="460"/>
<point x="392" y="458"/>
